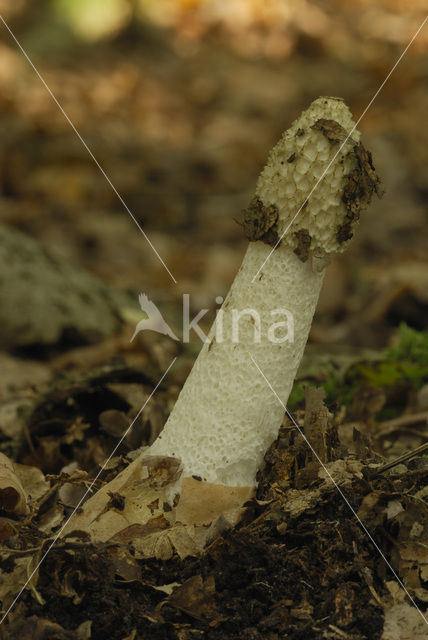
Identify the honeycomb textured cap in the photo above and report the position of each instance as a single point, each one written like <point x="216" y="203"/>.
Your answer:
<point x="313" y="147"/>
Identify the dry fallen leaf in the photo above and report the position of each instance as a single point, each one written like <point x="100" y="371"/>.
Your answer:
<point x="403" y="622"/>
<point x="13" y="498"/>
<point x="149" y="540"/>
<point x="125" y="564"/>
<point x="32" y="480"/>
<point x="145" y="516"/>
<point x="158" y="539"/>
<point x="140" y="485"/>
<point x="393" y="508"/>
<point x="203" y="502"/>
<point x="195" y="597"/>
<point x="84" y="630"/>
<point x="411" y="552"/>
<point x="11" y="583"/>
<point x="167" y="588"/>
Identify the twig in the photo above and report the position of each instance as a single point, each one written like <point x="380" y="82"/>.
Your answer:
<point x="408" y="420"/>
<point x="406" y="456"/>
<point x="19" y="552"/>
<point x="338" y="631"/>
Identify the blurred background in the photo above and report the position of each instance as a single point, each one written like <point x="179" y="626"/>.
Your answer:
<point x="180" y="101"/>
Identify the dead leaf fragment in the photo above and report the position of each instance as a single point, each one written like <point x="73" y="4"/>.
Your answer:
<point x="158" y="539"/>
<point x="360" y="185"/>
<point x="11" y="583"/>
<point x="368" y="507"/>
<point x="411" y="552"/>
<point x="13" y="498"/>
<point x="393" y="508"/>
<point x="34" y="628"/>
<point x="181" y="538"/>
<point x="342" y="470"/>
<point x="167" y="588"/>
<point x="6" y="530"/>
<point x="304" y="240"/>
<point x="150" y="540"/>
<point x="125" y="564"/>
<point x="84" y="630"/>
<point x="332" y="130"/>
<point x="196" y="598"/>
<point x="259" y="222"/>
<point x="204" y="502"/>
<point x="141" y="485"/>
<point x="32" y="480"/>
<point x="403" y="622"/>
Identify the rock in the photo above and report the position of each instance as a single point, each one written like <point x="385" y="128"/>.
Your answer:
<point x="46" y="300"/>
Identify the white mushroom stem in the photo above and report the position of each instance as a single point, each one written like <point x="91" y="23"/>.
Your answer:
<point x="226" y="415"/>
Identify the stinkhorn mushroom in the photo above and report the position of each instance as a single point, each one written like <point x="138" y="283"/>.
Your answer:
<point x="226" y="417"/>
<point x="306" y="205"/>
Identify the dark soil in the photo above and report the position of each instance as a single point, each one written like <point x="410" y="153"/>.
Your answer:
<point x="274" y="576"/>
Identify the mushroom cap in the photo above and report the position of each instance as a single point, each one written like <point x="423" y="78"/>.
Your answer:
<point x="319" y="177"/>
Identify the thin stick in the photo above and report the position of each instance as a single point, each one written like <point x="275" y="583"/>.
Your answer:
<point x="406" y="456"/>
<point x="408" y="420"/>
